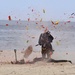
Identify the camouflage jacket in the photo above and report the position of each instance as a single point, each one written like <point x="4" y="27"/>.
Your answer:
<point x="45" y="40"/>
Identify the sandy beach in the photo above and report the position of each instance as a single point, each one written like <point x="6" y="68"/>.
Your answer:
<point x="23" y="44"/>
<point x="37" y="68"/>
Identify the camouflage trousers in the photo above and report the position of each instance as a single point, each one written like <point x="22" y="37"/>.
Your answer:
<point x="47" y="51"/>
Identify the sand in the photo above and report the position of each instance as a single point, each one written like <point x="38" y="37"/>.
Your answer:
<point x="37" y="68"/>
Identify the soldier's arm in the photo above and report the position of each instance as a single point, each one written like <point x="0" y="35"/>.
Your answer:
<point x="39" y="42"/>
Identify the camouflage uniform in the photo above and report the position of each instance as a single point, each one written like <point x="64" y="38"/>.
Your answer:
<point x="45" y="40"/>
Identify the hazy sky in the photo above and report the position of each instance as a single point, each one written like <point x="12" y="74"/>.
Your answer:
<point x="33" y="9"/>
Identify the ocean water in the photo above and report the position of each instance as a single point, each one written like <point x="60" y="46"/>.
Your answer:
<point x="20" y="34"/>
